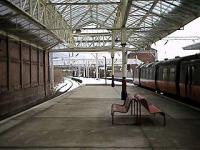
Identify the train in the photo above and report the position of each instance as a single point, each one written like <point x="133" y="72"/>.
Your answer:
<point x="178" y="77"/>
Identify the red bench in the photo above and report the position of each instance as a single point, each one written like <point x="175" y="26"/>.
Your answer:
<point x="122" y="108"/>
<point x="152" y="109"/>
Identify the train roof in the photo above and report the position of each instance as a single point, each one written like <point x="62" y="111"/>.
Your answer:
<point x="143" y="66"/>
<point x="171" y="61"/>
<point x="191" y="57"/>
<point x="179" y="59"/>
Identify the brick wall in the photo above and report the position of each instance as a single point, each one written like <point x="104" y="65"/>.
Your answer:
<point x="146" y="56"/>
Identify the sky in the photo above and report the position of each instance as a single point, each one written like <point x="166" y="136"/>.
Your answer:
<point x="171" y="48"/>
<point x="166" y="48"/>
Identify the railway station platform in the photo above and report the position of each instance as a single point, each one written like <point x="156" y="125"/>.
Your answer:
<point x="81" y="119"/>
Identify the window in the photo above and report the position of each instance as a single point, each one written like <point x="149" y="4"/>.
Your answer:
<point x="150" y="74"/>
<point x="165" y="76"/>
<point x="172" y="74"/>
<point x="160" y="74"/>
<point x="194" y="74"/>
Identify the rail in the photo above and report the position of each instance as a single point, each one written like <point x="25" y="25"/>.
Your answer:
<point x="60" y="92"/>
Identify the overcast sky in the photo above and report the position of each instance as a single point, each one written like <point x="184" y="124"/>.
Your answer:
<point x="174" y="48"/>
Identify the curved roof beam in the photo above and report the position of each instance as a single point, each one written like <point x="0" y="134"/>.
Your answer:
<point x="44" y="16"/>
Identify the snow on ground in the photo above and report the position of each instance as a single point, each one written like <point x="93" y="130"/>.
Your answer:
<point x="62" y="87"/>
<point x="75" y="85"/>
<point x="99" y="81"/>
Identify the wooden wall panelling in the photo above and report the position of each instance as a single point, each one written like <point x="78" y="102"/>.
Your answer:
<point x="48" y="63"/>
<point x="34" y="67"/>
<point x="38" y="67"/>
<point x="21" y="64"/>
<point x="41" y="68"/>
<point x="26" y="65"/>
<point x="14" y="64"/>
<point x="44" y="70"/>
<point x="30" y="56"/>
<point x="3" y="64"/>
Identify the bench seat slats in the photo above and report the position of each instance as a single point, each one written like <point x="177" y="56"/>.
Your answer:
<point x="122" y="108"/>
<point x="141" y="100"/>
<point x="152" y="109"/>
<point x="118" y="108"/>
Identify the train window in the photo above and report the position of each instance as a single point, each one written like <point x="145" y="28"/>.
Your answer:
<point x="165" y="74"/>
<point x="150" y="73"/>
<point x="136" y="73"/>
<point x="142" y="73"/>
<point x="147" y="75"/>
<point x="197" y="72"/>
<point x="153" y="74"/>
<point x="183" y="72"/>
<point x="160" y="74"/>
<point x="172" y="74"/>
<point x="195" y="75"/>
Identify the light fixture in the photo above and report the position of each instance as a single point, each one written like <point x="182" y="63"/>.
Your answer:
<point x="78" y="31"/>
<point x="117" y="40"/>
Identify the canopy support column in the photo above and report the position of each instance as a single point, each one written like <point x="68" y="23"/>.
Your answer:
<point x="51" y="71"/>
<point x="113" y="69"/>
<point x="124" y="64"/>
<point x="97" y="67"/>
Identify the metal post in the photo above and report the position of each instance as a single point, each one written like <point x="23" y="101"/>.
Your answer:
<point x="69" y="73"/>
<point x="51" y="70"/>
<point x="84" y="71"/>
<point x="79" y="70"/>
<point x="88" y="69"/>
<point x="105" y="71"/>
<point x="124" y="72"/>
<point x="124" y="64"/>
<point x="112" y="57"/>
<point x="97" y="66"/>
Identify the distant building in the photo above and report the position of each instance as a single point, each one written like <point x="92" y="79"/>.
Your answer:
<point x="142" y="56"/>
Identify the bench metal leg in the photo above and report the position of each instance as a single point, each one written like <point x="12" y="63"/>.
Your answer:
<point x="112" y="119"/>
<point x="134" y="107"/>
<point x="137" y="115"/>
<point x="131" y="108"/>
<point x="164" y="119"/>
<point x="140" y="116"/>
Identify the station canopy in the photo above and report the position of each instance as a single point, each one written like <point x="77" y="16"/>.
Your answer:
<point x="95" y="25"/>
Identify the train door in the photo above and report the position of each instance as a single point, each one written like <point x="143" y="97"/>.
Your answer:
<point x="188" y="80"/>
<point x="193" y="85"/>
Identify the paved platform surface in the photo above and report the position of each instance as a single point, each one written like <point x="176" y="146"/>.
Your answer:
<point x="81" y="120"/>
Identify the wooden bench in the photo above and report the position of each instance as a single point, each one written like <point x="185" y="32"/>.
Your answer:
<point x="152" y="109"/>
<point x="122" y="108"/>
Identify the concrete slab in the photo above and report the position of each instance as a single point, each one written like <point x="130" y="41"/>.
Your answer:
<point x="81" y="120"/>
<point x="96" y="92"/>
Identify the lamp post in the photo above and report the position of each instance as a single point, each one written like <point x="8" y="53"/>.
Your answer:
<point x="51" y="70"/>
<point x="124" y="63"/>
<point x="105" y="71"/>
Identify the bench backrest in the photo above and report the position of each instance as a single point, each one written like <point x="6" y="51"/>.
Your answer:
<point x="127" y="102"/>
<point x="142" y="100"/>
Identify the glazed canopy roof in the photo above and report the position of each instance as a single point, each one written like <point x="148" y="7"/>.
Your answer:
<point x="95" y="25"/>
